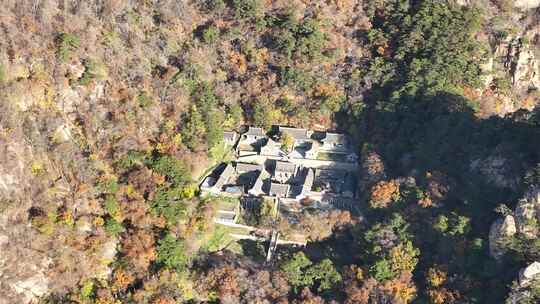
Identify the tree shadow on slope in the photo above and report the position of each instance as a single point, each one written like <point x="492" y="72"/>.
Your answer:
<point x="441" y="133"/>
<point x="486" y="160"/>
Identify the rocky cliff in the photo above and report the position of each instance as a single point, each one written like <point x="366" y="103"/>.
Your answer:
<point x="512" y="69"/>
<point x="523" y="221"/>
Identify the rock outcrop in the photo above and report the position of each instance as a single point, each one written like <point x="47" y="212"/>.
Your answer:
<point x="511" y="75"/>
<point x="527" y="214"/>
<point x="523" y="221"/>
<point x="500" y="234"/>
<point x="511" y="71"/>
<point x="526" y="4"/>
<point x="520" y="61"/>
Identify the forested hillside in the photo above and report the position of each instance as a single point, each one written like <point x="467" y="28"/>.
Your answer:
<point x="112" y="111"/>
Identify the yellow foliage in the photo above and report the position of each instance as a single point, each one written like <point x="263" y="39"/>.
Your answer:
<point x="436" y="277"/>
<point x="93" y="157"/>
<point x="189" y="191"/>
<point x="406" y="294"/>
<point x="287" y="141"/>
<point x="37" y="168"/>
<point x="186" y="286"/>
<point x="170" y="125"/>
<point x="177" y="139"/>
<point x="162" y="148"/>
<point x="66" y="218"/>
<point x="404" y="257"/>
<point x="130" y="191"/>
<point x="99" y="221"/>
<point x="47" y="101"/>
<point x="45" y="225"/>
<point x="327" y="90"/>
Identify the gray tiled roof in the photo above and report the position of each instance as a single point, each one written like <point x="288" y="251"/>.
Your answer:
<point x="229" y="135"/>
<point x="296" y="133"/>
<point x="279" y="190"/>
<point x="255" y="131"/>
<point x="245" y="167"/>
<point x="335" y="138"/>
<point x="226" y="216"/>
<point x="337" y="175"/>
<point x="282" y="166"/>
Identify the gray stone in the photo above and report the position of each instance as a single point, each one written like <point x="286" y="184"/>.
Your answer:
<point x="499" y="235"/>
<point x="527" y="215"/>
<point x="526" y="4"/>
<point x="529" y="273"/>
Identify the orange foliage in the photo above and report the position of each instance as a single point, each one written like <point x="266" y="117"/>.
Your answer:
<point x="223" y="281"/>
<point x="164" y="300"/>
<point x="122" y="279"/>
<point x="401" y="288"/>
<point x="470" y="93"/>
<point x="425" y="202"/>
<point x="383" y="193"/>
<point x="239" y="62"/>
<point x="326" y="90"/>
<point x="139" y="247"/>
<point x="442" y="296"/>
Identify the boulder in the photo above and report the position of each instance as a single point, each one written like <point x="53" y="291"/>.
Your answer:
<point x="76" y="69"/>
<point x="62" y="134"/>
<point x="107" y="255"/>
<point x="529" y="273"/>
<point x="84" y="224"/>
<point x="526" y="4"/>
<point x="499" y="235"/>
<point x="32" y="288"/>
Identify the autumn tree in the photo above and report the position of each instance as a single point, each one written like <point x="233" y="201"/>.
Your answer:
<point x="384" y="193"/>
<point x="139" y="248"/>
